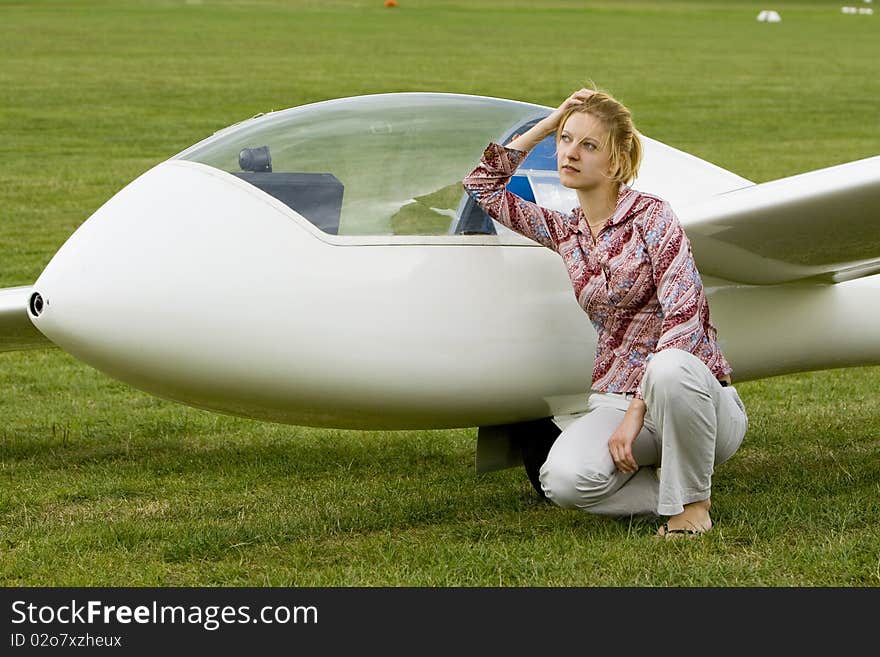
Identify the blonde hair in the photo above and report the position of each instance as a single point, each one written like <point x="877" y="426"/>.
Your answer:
<point x="623" y="140"/>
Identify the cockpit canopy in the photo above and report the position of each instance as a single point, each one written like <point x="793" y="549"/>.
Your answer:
<point x="388" y="164"/>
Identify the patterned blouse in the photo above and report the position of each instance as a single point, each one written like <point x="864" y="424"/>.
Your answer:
<point x="636" y="280"/>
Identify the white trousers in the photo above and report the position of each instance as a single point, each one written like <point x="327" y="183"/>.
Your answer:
<point x="692" y="424"/>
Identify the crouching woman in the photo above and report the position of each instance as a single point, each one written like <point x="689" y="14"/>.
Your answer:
<point x="661" y="389"/>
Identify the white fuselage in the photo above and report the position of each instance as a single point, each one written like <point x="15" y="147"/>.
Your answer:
<point x="195" y="286"/>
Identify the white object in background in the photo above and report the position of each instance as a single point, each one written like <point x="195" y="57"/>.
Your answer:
<point x="866" y="10"/>
<point x="769" y="16"/>
<point x="848" y="10"/>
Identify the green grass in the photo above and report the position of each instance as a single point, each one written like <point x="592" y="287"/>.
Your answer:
<point x="103" y="485"/>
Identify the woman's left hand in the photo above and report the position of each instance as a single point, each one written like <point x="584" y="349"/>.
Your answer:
<point x="620" y="445"/>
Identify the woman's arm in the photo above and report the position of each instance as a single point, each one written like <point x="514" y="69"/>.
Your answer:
<point x="679" y="286"/>
<point x="686" y="324"/>
<point x="621" y="441"/>
<point x="487" y="183"/>
<point x="533" y="136"/>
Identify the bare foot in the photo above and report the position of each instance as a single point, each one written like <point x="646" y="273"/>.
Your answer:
<point x="693" y="521"/>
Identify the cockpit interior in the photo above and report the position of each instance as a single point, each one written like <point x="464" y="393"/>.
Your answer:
<point x="388" y="164"/>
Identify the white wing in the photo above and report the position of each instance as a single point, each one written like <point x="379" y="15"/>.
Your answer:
<point x="823" y="225"/>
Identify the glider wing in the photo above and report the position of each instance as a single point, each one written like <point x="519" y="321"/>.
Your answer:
<point x="822" y="226"/>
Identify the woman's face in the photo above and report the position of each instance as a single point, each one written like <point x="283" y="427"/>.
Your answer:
<point x="582" y="153"/>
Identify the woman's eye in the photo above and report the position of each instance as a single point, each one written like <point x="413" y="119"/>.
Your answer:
<point x="589" y="146"/>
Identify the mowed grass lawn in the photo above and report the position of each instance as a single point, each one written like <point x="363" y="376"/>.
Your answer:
<point x="101" y="484"/>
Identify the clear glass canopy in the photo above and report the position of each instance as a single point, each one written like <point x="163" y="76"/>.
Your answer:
<point x="388" y="164"/>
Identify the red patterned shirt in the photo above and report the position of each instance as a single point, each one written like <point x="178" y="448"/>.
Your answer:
<point x="637" y="280"/>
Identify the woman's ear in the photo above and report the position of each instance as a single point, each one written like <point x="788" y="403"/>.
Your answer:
<point x="613" y="171"/>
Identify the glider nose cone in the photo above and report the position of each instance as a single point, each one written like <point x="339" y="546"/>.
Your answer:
<point x="174" y="276"/>
<point x="35" y="304"/>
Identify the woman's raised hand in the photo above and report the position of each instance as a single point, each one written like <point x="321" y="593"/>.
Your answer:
<point x="551" y="122"/>
<point x="548" y="125"/>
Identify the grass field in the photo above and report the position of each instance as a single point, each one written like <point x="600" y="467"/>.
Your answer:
<point x="103" y="485"/>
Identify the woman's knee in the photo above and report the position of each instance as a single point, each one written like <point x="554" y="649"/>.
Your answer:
<point x="667" y="366"/>
<point x="572" y="488"/>
<point x="672" y="371"/>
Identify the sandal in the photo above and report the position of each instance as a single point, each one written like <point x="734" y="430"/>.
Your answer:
<point x="666" y="533"/>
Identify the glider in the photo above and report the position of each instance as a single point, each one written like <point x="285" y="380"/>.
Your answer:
<point x="323" y="266"/>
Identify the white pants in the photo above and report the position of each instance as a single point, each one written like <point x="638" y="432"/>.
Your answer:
<point x="692" y="424"/>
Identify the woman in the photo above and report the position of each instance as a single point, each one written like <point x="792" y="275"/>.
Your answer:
<point x="661" y="386"/>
